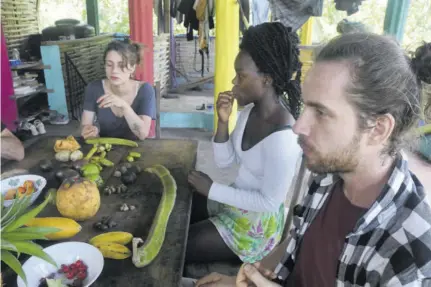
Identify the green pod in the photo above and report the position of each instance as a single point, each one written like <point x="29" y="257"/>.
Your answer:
<point x="91" y="152"/>
<point x="106" y="162"/>
<point x="144" y="255"/>
<point x="112" y="141"/>
<point x="134" y="154"/>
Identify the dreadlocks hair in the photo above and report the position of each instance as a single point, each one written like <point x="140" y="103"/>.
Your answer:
<point x="274" y="49"/>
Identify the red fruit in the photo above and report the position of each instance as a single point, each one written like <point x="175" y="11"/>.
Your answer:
<point x="64" y="268"/>
<point x="82" y="275"/>
<point x="70" y="276"/>
<point x="79" y="262"/>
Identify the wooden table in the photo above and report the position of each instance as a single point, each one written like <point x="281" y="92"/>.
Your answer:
<point x="179" y="156"/>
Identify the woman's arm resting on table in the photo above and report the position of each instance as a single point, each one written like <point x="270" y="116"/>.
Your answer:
<point x="140" y="125"/>
<point x="11" y="146"/>
<point x="140" y="121"/>
<point x="88" y="130"/>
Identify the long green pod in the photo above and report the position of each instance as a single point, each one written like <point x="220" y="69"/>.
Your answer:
<point x="144" y="255"/>
<point x="112" y="141"/>
<point x="91" y="152"/>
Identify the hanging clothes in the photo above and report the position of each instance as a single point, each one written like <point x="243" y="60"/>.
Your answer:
<point x="191" y="21"/>
<point x="294" y="13"/>
<point x="159" y="10"/>
<point x="173" y="8"/>
<point x="8" y="107"/>
<point x="245" y="8"/>
<point x="202" y="14"/>
<point x="260" y="11"/>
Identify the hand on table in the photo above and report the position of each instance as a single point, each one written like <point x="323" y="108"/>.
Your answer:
<point x="224" y="106"/>
<point x="109" y="100"/>
<point x="200" y="181"/>
<point x="255" y="276"/>
<point x="89" y="131"/>
<point x="216" y="280"/>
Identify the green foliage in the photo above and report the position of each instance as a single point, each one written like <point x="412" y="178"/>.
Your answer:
<point x="114" y="17"/>
<point x="372" y="14"/>
<point x="15" y="238"/>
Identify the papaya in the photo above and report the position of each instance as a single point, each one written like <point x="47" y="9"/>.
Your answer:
<point x="68" y="227"/>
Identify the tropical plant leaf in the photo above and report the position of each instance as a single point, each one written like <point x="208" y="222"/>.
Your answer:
<point x="23" y="219"/>
<point x="18" y="206"/>
<point x="2" y="205"/>
<point x="9" y="211"/>
<point x="14" y="264"/>
<point x="20" y="236"/>
<point x="38" y="229"/>
<point x="9" y="221"/>
<point x="33" y="249"/>
<point x="6" y="245"/>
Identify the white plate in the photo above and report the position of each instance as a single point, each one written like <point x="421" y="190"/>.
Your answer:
<point x="17" y="181"/>
<point x="63" y="253"/>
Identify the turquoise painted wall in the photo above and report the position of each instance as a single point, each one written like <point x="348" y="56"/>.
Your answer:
<point x="54" y="79"/>
<point x="193" y="120"/>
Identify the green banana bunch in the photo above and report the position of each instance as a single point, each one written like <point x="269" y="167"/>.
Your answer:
<point x="17" y="238"/>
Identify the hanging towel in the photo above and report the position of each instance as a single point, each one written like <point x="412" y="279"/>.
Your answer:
<point x="260" y="11"/>
<point x="294" y="13"/>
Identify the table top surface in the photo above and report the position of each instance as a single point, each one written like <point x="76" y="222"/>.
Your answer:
<point x="179" y="156"/>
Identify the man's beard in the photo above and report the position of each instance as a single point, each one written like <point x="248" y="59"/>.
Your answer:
<point x="342" y="160"/>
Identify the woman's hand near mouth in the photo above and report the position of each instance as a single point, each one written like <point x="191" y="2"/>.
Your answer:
<point x="224" y="106"/>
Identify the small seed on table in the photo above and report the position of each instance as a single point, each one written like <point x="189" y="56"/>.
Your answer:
<point x="132" y="207"/>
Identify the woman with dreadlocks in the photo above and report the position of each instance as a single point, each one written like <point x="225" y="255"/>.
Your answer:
<point x="245" y="220"/>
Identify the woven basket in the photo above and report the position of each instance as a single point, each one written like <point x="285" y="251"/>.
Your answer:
<point x="19" y="19"/>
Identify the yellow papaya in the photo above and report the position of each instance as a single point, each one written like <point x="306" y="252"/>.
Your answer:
<point x="68" y="227"/>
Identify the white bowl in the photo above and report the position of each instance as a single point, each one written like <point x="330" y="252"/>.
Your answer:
<point x="17" y="181"/>
<point x="63" y="253"/>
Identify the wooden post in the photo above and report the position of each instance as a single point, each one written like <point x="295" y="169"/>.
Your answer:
<point x="227" y="46"/>
<point x="167" y="6"/>
<point x="158" y="95"/>
<point x="93" y="14"/>
<point x="141" y="31"/>
<point x="307" y="33"/>
<point x="396" y="18"/>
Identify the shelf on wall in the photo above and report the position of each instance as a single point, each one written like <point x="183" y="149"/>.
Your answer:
<point x="38" y="91"/>
<point x="31" y="66"/>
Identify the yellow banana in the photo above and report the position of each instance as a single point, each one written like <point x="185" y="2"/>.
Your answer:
<point x="113" y="250"/>
<point x="68" y="227"/>
<point x="119" y="237"/>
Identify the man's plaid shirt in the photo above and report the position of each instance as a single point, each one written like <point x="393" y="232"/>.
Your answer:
<point x="390" y="244"/>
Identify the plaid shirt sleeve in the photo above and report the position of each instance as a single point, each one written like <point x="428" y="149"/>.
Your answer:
<point x="389" y="246"/>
